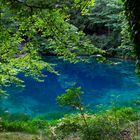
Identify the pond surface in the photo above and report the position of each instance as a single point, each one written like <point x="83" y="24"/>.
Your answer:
<point x="102" y="84"/>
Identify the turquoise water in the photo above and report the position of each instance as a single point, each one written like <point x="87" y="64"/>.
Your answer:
<point x="102" y="84"/>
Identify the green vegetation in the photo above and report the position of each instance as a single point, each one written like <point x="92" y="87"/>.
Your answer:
<point x="107" y="27"/>
<point x="27" y="26"/>
<point x="33" y="29"/>
<point x="72" y="98"/>
<point x="109" y="124"/>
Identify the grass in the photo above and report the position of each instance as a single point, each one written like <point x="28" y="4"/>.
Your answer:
<point x="113" y="124"/>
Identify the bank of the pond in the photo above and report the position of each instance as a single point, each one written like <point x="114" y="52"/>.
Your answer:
<point x="114" y="124"/>
<point x="20" y="136"/>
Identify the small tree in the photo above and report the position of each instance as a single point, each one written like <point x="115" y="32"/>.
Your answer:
<point x="72" y="98"/>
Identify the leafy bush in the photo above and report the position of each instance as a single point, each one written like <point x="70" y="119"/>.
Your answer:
<point x="107" y="125"/>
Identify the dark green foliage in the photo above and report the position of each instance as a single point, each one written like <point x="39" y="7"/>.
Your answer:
<point x="127" y="46"/>
<point x="132" y="9"/>
<point x="107" y="27"/>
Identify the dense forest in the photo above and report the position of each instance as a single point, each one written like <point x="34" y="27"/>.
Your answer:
<point x="98" y="35"/>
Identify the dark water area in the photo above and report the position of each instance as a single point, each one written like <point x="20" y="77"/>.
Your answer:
<point x="104" y="85"/>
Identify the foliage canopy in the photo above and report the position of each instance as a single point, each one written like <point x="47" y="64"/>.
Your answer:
<point x="28" y="26"/>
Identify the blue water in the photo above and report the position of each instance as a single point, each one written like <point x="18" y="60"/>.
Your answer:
<point x="102" y="84"/>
